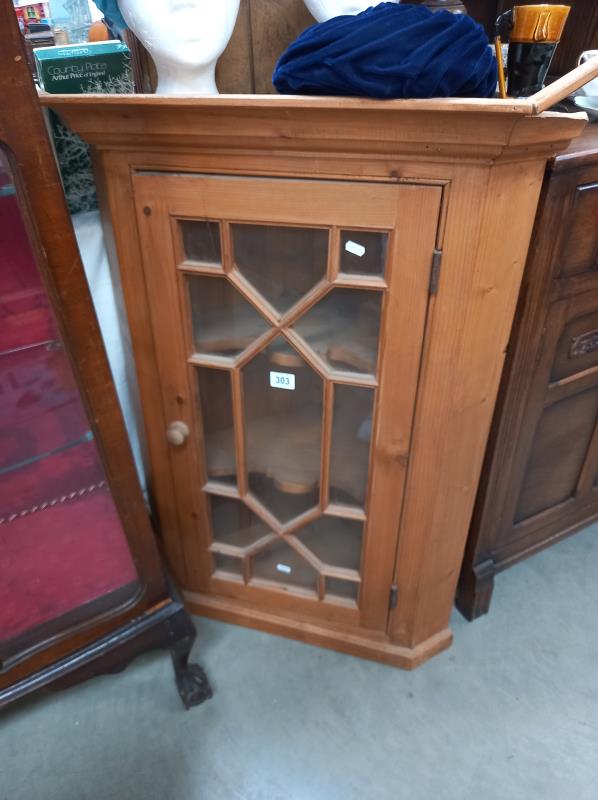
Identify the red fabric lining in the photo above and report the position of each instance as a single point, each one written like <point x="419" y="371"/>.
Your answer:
<point x="55" y="560"/>
<point x="58" y="559"/>
<point x="25" y="316"/>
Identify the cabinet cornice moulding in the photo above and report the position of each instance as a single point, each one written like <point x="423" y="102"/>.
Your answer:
<point x="468" y="129"/>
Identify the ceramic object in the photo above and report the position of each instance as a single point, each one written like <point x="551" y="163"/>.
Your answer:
<point x="534" y="32"/>
<point x="590" y="88"/>
<point x="589" y="104"/>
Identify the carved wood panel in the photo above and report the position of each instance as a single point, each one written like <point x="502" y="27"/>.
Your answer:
<point x="556" y="455"/>
<point x="580" y="251"/>
<point x="577" y="349"/>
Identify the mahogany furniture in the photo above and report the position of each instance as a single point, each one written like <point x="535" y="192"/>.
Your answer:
<point x="58" y="333"/>
<point x="539" y="479"/>
<point x="320" y="293"/>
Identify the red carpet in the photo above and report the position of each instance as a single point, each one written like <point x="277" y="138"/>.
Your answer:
<point x="61" y="542"/>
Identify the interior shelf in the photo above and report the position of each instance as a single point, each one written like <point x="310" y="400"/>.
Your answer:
<point x="299" y="474"/>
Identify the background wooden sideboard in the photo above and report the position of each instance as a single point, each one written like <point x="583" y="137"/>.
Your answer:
<point x="266" y="27"/>
<point x="539" y="481"/>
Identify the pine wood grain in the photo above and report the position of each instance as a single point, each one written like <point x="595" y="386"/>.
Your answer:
<point x="344" y="162"/>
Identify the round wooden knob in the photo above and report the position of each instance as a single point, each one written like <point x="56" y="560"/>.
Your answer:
<point x="177" y="432"/>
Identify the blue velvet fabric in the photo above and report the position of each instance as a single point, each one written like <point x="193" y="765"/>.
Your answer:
<point x="111" y="11"/>
<point x="390" y="51"/>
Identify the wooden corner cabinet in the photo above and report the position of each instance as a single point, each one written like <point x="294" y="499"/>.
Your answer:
<point x="320" y="292"/>
<point x="540" y="473"/>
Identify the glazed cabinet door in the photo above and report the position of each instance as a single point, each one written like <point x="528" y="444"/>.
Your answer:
<point x="288" y="318"/>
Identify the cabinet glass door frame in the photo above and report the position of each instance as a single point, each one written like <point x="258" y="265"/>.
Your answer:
<point x="219" y="251"/>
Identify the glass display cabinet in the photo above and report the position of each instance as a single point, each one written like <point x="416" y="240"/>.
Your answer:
<point x="82" y="586"/>
<point x="65" y="557"/>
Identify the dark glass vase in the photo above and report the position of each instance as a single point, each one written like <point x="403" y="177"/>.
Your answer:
<point x="527" y="66"/>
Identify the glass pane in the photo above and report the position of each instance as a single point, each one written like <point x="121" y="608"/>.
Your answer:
<point x="217" y="414"/>
<point x="71" y="22"/>
<point x="280" y="498"/>
<point x="65" y="558"/>
<point x="343" y="329"/>
<point x="230" y="564"/>
<point x="201" y="241"/>
<point x="283" y="430"/>
<point x="350" y="449"/>
<point x="279" y="562"/>
<point x="334" y="541"/>
<point x="224" y="323"/>
<point x="363" y="253"/>
<point x="339" y="588"/>
<point x="283" y="264"/>
<point x="235" y="524"/>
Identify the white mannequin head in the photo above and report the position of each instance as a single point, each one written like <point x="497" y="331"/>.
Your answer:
<point x="323" y="10"/>
<point x="184" y="37"/>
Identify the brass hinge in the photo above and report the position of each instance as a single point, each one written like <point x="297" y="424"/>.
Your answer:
<point x="394" y="591"/>
<point x="435" y="270"/>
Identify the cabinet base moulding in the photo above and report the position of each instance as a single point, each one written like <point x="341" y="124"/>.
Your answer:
<point x="355" y="643"/>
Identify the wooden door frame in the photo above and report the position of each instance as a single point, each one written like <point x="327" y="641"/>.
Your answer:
<point x="411" y="211"/>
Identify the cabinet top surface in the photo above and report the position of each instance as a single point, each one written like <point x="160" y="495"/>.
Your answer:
<point x="459" y="129"/>
<point x="252" y="101"/>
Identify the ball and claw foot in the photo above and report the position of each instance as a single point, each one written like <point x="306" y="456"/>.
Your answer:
<point x="193" y="685"/>
<point x="191" y="680"/>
